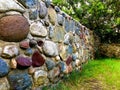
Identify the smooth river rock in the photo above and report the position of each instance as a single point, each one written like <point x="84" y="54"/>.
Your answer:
<point x="37" y="29"/>
<point x="4" y="68"/>
<point x="50" y="48"/>
<point x="13" y="28"/>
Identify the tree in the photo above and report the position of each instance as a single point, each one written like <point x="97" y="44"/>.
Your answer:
<point x="102" y="16"/>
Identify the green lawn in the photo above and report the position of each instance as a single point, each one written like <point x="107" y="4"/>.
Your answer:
<point x="102" y="74"/>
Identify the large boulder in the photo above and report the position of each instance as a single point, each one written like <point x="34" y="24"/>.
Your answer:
<point x="13" y="28"/>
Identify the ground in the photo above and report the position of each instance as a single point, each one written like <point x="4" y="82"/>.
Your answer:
<point x="102" y="74"/>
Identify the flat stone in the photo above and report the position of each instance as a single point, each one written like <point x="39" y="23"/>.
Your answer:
<point x="50" y="48"/>
<point x="51" y="31"/>
<point x="40" y="78"/>
<point x="4" y="85"/>
<point x="37" y="59"/>
<point x="23" y="61"/>
<point x="58" y="34"/>
<point x="10" y="5"/>
<point x="20" y="81"/>
<point x="4" y="68"/>
<point x="50" y="64"/>
<point x="12" y="28"/>
<point x="37" y="29"/>
<point x="10" y="51"/>
<point x="42" y="10"/>
<point x="52" y="15"/>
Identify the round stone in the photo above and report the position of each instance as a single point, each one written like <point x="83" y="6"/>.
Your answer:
<point x="13" y="28"/>
<point x="4" y="69"/>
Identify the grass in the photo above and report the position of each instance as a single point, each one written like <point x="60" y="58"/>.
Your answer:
<point x="102" y="74"/>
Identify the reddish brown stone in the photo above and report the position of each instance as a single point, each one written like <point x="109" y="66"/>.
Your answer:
<point x="13" y="28"/>
<point x="37" y="59"/>
<point x="69" y="60"/>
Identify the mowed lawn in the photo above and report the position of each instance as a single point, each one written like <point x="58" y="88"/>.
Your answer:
<point x="102" y="74"/>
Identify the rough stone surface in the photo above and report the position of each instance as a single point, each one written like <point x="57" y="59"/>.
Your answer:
<point x="20" y="81"/>
<point x="12" y="28"/>
<point x="60" y="19"/>
<point x="4" y="85"/>
<point x="4" y="68"/>
<point x="40" y="78"/>
<point x="50" y="64"/>
<point x="10" y="51"/>
<point x="37" y="29"/>
<point x="50" y="48"/>
<point x="52" y="15"/>
<point x="24" y="44"/>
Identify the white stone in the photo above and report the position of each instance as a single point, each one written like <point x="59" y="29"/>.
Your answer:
<point x="37" y="29"/>
<point x="10" y="51"/>
<point x="50" y="48"/>
<point x="6" y="5"/>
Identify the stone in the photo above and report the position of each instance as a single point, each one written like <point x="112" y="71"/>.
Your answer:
<point x="51" y="31"/>
<point x="68" y="38"/>
<point x="4" y="85"/>
<point x="58" y="34"/>
<point x="52" y="15"/>
<point x="57" y="9"/>
<point x="67" y="25"/>
<point x="28" y="52"/>
<point x="57" y="58"/>
<point x="13" y="63"/>
<point x="60" y="19"/>
<point x="74" y="57"/>
<point x="50" y="64"/>
<point x="23" y="61"/>
<point x="10" y="51"/>
<point x="47" y="2"/>
<point x="54" y="73"/>
<point x="50" y="48"/>
<point x="69" y="49"/>
<point x="13" y="28"/>
<point x="62" y="65"/>
<point x="33" y="14"/>
<point x="4" y="68"/>
<point x="37" y="59"/>
<point x="69" y="69"/>
<point x="32" y="43"/>
<point x="10" y="5"/>
<point x="37" y="29"/>
<point x="69" y="60"/>
<point x="40" y="78"/>
<point x="40" y="43"/>
<point x="24" y="44"/>
<point x="42" y="10"/>
<point x="12" y="13"/>
<point x="27" y="3"/>
<point x="31" y="70"/>
<point x="20" y="81"/>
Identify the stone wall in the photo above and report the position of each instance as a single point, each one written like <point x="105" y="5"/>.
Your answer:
<point x="39" y="44"/>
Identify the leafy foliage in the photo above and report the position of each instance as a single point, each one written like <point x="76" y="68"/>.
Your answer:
<point x="102" y="16"/>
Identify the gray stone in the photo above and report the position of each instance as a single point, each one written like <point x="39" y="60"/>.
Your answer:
<point x="50" y="64"/>
<point x="50" y="48"/>
<point x="37" y="29"/>
<point x="42" y="10"/>
<point x="10" y="51"/>
<point x="60" y="19"/>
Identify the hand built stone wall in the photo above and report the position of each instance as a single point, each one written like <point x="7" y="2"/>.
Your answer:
<point x="39" y="44"/>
